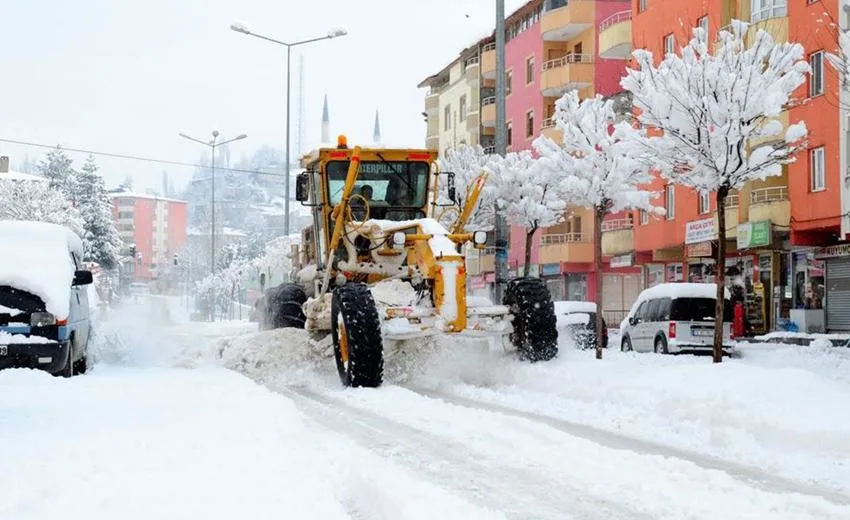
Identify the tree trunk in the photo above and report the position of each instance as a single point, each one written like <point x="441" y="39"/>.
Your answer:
<point x="599" y="214"/>
<point x="529" y="239"/>
<point x="720" y="275"/>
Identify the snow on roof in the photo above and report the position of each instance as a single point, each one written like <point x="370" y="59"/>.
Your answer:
<point x="137" y="195"/>
<point x="565" y="307"/>
<point x="39" y="262"/>
<point x="18" y="176"/>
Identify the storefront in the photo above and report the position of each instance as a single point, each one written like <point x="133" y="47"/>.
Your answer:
<point x="700" y="236"/>
<point x="621" y="285"/>
<point x="837" y="287"/>
<point x="806" y="287"/>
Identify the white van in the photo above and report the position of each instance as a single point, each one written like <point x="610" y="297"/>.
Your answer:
<point x="676" y="317"/>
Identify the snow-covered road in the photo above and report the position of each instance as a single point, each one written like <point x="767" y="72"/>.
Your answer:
<point x="190" y="420"/>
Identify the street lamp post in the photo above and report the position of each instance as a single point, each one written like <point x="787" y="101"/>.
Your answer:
<point x="333" y="33"/>
<point x="213" y="144"/>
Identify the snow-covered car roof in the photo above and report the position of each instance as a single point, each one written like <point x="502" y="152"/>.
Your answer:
<point x="563" y="307"/>
<point x="674" y="291"/>
<point x="36" y="259"/>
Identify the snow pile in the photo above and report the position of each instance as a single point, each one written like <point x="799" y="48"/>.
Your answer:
<point x="393" y="293"/>
<point x="40" y="263"/>
<point x="780" y="411"/>
<point x="10" y="311"/>
<point x="21" y="339"/>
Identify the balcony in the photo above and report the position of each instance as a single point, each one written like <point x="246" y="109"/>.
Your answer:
<point x="615" y="36"/>
<point x="488" y="61"/>
<point x="488" y="112"/>
<point x="566" y="247"/>
<point x="573" y="71"/>
<point x="770" y="204"/>
<point x="568" y="21"/>
<point x="473" y="70"/>
<point x="618" y="236"/>
<point x="489" y="150"/>
<point x="432" y="105"/>
<point x="549" y="130"/>
<point x="473" y="122"/>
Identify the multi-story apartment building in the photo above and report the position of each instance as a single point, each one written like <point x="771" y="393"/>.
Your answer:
<point x="777" y="226"/>
<point x="156" y="226"/>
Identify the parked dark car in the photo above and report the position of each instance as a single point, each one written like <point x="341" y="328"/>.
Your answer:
<point x="579" y="320"/>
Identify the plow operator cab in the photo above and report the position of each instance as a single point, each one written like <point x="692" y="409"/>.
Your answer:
<point x="378" y="265"/>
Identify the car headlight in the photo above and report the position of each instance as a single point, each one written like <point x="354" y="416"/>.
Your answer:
<point x="479" y="238"/>
<point x="42" y="319"/>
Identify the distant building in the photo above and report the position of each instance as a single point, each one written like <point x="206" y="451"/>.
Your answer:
<point x="8" y="175"/>
<point x="156" y="226"/>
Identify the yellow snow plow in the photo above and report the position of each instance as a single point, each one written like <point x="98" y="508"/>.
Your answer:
<point x="376" y="265"/>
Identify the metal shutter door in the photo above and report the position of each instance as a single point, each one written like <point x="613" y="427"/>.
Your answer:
<point x="838" y="295"/>
<point x="631" y="290"/>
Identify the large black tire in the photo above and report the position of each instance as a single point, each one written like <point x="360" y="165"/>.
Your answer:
<point x="283" y="307"/>
<point x="356" y="330"/>
<point x="535" y="333"/>
<point x="68" y="369"/>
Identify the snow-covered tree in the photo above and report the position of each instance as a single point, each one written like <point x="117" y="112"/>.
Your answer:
<point x="58" y="168"/>
<point x="718" y="115"/>
<point x="467" y="163"/>
<point x="598" y="160"/>
<point x="530" y="196"/>
<point x="32" y="200"/>
<point x="101" y="239"/>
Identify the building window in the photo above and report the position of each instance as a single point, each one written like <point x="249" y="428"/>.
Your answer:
<point x="702" y="23"/>
<point x="704" y="202"/>
<point x="509" y="77"/>
<point x="529" y="124"/>
<point x="510" y="135"/>
<point x="670" y="201"/>
<point x="764" y="9"/>
<point x="529" y="70"/>
<point x="669" y="44"/>
<point x="644" y="217"/>
<point x="642" y="5"/>
<point x="817" y="169"/>
<point x="447" y="118"/>
<point x="816" y="77"/>
<point x="463" y="106"/>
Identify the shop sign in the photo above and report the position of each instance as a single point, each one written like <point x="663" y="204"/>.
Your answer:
<point x="621" y="261"/>
<point x="477" y="282"/>
<point x="701" y="250"/>
<point x="754" y="234"/>
<point x="700" y="231"/>
<point x="551" y="269"/>
<point x="834" y="251"/>
<point x="490" y="277"/>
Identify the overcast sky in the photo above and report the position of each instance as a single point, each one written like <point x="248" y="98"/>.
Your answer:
<point x="126" y="77"/>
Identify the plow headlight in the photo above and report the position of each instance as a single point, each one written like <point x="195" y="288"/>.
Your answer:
<point x="479" y="238"/>
<point x="398" y="239"/>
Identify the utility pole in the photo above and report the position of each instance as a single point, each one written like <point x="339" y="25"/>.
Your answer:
<point x="501" y="149"/>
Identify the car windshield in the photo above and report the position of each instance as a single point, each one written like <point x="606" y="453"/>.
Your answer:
<point x="401" y="184"/>
<point x="698" y="309"/>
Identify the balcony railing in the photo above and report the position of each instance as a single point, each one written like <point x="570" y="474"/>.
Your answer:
<point x="490" y="150"/>
<point x="772" y="194"/>
<point x="617" y="224"/>
<point x="549" y="122"/>
<point x="621" y="16"/>
<point x="732" y="201"/>
<point x="777" y="10"/>
<point x="489" y="47"/>
<point x="568" y="59"/>
<point x="437" y="89"/>
<point x="473" y="61"/>
<point x="488" y="101"/>
<point x="562" y="238"/>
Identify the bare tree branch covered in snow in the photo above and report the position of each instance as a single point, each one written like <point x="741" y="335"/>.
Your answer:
<point x="600" y="163"/>
<point x="718" y="114"/>
<point x="467" y="163"/>
<point x="32" y="200"/>
<point x="530" y="196"/>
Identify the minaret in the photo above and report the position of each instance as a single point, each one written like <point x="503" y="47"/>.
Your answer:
<point x="326" y="123"/>
<point x="376" y="133"/>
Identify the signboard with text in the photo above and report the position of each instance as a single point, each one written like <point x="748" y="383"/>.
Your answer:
<point x="754" y="234"/>
<point x="700" y="231"/>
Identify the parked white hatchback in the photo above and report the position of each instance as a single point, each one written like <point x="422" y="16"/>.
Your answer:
<point x="676" y="317"/>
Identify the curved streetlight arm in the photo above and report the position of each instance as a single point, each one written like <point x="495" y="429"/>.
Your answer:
<point x="189" y="137"/>
<point x="334" y="33"/>
<point x="237" y="138"/>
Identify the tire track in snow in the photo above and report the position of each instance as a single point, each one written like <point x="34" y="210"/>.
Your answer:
<point x="751" y="476"/>
<point x="488" y="482"/>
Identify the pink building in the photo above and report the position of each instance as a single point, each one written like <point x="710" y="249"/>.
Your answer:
<point x="156" y="226"/>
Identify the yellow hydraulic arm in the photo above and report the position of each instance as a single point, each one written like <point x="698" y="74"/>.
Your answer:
<point x="469" y="204"/>
<point x="339" y="213"/>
